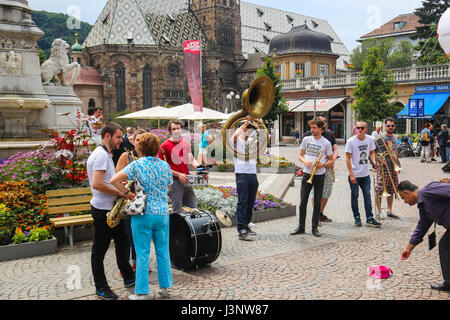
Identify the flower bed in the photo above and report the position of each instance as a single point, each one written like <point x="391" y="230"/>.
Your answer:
<point x="225" y="199"/>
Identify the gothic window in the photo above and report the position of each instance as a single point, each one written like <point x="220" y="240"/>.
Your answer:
<point x="91" y="104"/>
<point x="173" y="71"/>
<point x="147" y="87"/>
<point x="120" y="87"/>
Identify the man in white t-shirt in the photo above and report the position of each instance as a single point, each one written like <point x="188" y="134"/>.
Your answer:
<point x="360" y="149"/>
<point x="376" y="133"/>
<point x="101" y="168"/>
<point x="310" y="149"/>
<point x="246" y="180"/>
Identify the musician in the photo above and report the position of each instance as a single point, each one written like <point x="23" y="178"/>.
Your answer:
<point x="246" y="181"/>
<point x="95" y="125"/>
<point x="125" y="159"/>
<point x="178" y="155"/>
<point x="310" y="149"/>
<point x="100" y="168"/>
<point x="356" y="151"/>
<point x="391" y="141"/>
<point x="433" y="202"/>
<point x="329" y="180"/>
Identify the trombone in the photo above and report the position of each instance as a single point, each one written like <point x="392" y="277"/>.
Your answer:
<point x="316" y="165"/>
<point x="383" y="163"/>
<point x="388" y="152"/>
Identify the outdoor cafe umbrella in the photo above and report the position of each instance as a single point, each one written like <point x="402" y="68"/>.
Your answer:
<point x="157" y="113"/>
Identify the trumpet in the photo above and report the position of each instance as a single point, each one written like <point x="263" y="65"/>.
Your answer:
<point x="114" y="216"/>
<point x="316" y="165"/>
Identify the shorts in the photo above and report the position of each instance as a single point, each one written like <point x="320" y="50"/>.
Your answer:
<point x="389" y="187"/>
<point x="327" y="185"/>
<point x="202" y="151"/>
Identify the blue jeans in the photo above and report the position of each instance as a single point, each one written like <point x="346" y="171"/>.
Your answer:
<point x="364" y="184"/>
<point x="448" y="153"/>
<point x="247" y="187"/>
<point x="145" y="228"/>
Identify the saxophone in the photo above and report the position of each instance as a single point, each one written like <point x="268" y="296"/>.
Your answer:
<point x="114" y="216"/>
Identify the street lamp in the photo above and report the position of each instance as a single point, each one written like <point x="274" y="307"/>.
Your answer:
<point x="316" y="87"/>
<point x="230" y="97"/>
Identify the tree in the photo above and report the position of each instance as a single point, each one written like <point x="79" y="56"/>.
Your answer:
<point x="429" y="14"/>
<point x="393" y="56"/>
<point x="279" y="105"/>
<point x="374" y="90"/>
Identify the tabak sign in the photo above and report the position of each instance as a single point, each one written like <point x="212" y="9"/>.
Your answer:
<point x="192" y="59"/>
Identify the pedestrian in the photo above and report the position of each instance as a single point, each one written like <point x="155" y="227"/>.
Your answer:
<point x="205" y="141"/>
<point x="329" y="179"/>
<point x="360" y="149"/>
<point x="246" y="180"/>
<point x="96" y="124"/>
<point x="310" y="150"/>
<point x="376" y="133"/>
<point x="100" y="168"/>
<point x="433" y="202"/>
<point x="125" y="159"/>
<point x="155" y="176"/>
<point x="425" y="143"/>
<point x="432" y="142"/>
<point x="177" y="153"/>
<point x="391" y="142"/>
<point x="297" y="136"/>
<point x="444" y="143"/>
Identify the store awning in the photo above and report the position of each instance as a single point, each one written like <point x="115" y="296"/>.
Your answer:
<point x="322" y="105"/>
<point x="433" y="102"/>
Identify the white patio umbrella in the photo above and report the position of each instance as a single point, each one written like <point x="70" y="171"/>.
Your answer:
<point x="187" y="112"/>
<point x="149" y="114"/>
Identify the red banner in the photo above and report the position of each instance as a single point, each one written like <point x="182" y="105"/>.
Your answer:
<point x="192" y="60"/>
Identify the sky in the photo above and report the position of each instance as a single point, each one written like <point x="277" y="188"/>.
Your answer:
<point x="350" y="19"/>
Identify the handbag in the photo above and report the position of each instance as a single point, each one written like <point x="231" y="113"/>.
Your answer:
<point x="138" y="204"/>
<point x="380" y="272"/>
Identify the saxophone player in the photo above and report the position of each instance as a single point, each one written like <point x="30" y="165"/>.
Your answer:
<point x="314" y="171"/>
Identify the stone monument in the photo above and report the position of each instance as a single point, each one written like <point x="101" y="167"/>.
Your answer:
<point x="26" y="106"/>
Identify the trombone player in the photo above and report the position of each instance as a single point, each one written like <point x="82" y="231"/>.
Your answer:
<point x="317" y="154"/>
<point x="387" y="180"/>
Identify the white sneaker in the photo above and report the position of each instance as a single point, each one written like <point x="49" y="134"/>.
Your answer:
<point x="164" y="292"/>
<point x="141" y="297"/>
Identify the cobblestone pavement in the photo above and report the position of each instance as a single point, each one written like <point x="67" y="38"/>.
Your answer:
<point x="275" y="266"/>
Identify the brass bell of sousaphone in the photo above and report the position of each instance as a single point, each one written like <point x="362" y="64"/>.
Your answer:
<point x="256" y="104"/>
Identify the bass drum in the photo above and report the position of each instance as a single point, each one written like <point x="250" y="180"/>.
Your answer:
<point x="195" y="238"/>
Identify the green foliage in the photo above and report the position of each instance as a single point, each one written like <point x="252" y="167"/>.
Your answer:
<point x="393" y="56"/>
<point x="39" y="234"/>
<point x="19" y="237"/>
<point x="374" y="89"/>
<point x="279" y="105"/>
<point x="5" y="236"/>
<point x="124" y="122"/>
<point x="42" y="56"/>
<point x="54" y="25"/>
<point x="429" y="14"/>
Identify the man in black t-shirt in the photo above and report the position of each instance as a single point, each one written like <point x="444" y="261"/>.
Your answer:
<point x="328" y="184"/>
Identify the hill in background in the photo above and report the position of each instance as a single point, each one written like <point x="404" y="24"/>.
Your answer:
<point x="54" y="25"/>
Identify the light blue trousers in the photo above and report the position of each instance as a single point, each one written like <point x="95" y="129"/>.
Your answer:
<point x="145" y="228"/>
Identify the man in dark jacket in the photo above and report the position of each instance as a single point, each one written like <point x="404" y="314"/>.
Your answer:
<point x="433" y="202"/>
<point x="444" y="143"/>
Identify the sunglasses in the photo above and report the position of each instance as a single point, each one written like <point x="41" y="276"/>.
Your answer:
<point x="360" y="128"/>
<point x="390" y="125"/>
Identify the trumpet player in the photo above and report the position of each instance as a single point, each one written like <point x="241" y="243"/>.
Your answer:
<point x="316" y="153"/>
<point x="359" y="149"/>
<point x="391" y="177"/>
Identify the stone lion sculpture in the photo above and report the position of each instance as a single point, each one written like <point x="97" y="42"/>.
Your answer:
<point x="58" y="64"/>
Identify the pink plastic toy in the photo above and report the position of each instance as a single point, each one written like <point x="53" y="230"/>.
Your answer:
<point x="380" y="272"/>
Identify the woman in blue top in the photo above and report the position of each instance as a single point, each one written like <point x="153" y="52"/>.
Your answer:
<point x="205" y="141"/>
<point x="155" y="177"/>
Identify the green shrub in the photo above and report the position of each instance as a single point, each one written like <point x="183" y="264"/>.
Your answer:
<point x="39" y="234"/>
<point x="19" y="237"/>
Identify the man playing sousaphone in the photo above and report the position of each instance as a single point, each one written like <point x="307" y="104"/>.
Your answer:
<point x="317" y="154"/>
<point x="389" y="173"/>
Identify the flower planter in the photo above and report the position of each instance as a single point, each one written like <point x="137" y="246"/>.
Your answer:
<point x="266" y="215"/>
<point x="28" y="249"/>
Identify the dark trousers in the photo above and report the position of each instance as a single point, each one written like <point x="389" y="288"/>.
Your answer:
<point x="247" y="187"/>
<point x="102" y="238"/>
<point x="444" y="256"/>
<point x="443" y="151"/>
<point x="317" y="183"/>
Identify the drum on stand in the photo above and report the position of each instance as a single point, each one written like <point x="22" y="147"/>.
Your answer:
<point x="195" y="238"/>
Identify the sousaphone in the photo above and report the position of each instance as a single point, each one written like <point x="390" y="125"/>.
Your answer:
<point x="256" y="104"/>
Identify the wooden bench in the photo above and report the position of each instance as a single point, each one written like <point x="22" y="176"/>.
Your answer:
<point x="67" y="201"/>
